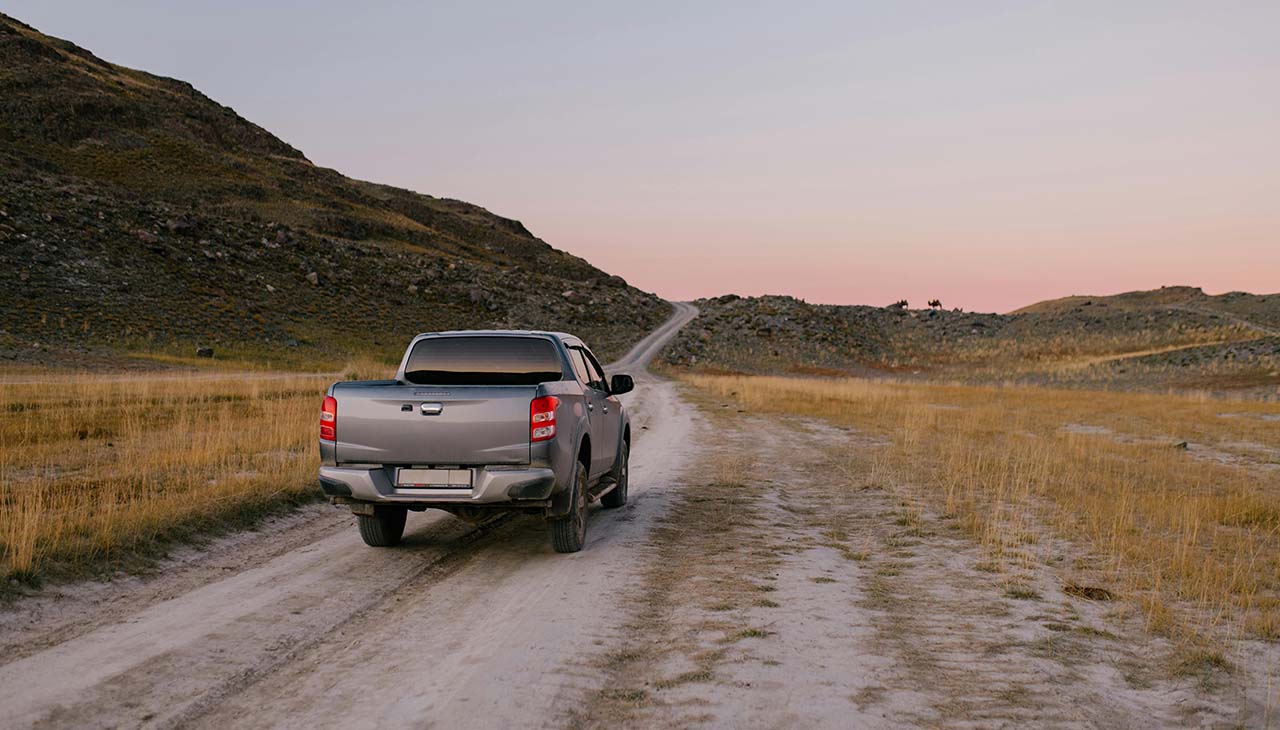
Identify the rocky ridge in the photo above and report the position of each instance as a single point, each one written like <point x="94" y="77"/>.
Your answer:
<point x="1165" y="337"/>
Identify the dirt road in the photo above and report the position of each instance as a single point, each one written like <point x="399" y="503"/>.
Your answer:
<point x="299" y="624"/>
<point x="753" y="581"/>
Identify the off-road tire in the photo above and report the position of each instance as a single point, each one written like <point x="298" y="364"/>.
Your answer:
<point x="384" y="528"/>
<point x="569" y="533"/>
<point x="617" y="497"/>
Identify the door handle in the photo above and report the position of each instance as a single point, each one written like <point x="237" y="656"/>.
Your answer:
<point x="606" y="409"/>
<point x="591" y="406"/>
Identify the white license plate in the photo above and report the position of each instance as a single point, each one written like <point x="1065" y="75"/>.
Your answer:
<point x="434" y="478"/>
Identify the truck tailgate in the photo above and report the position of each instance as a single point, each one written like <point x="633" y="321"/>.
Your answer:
<point x="452" y="425"/>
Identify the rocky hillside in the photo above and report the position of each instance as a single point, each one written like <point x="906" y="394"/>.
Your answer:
<point x="137" y="216"/>
<point x="1260" y="311"/>
<point x="1177" y="336"/>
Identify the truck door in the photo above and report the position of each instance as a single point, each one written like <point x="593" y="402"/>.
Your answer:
<point x="598" y="412"/>
<point x="611" y="412"/>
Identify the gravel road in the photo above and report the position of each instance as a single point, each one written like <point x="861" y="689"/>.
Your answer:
<point x="755" y="579"/>
<point x="300" y="625"/>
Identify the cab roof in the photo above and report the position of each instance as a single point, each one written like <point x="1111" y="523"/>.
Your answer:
<point x="503" y="333"/>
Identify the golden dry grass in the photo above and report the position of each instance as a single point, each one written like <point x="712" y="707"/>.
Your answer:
<point x="97" y="470"/>
<point x="1190" y="534"/>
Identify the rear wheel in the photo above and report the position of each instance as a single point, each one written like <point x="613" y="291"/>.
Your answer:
<point x="569" y="533"/>
<point x="384" y="528"/>
<point x="618" y="495"/>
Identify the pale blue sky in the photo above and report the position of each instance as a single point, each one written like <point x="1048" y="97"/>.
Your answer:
<point x="991" y="154"/>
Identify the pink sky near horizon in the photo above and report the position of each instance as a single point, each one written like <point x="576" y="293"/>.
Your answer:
<point x="990" y="154"/>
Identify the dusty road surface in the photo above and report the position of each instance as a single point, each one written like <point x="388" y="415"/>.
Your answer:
<point x="751" y="582"/>
<point x="300" y="624"/>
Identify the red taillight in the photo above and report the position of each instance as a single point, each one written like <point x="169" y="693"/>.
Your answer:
<point x="542" y="418"/>
<point x="329" y="419"/>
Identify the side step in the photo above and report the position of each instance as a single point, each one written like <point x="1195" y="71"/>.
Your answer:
<point x="608" y="485"/>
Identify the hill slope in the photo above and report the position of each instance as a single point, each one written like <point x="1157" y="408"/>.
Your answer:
<point x="1261" y="311"/>
<point x="138" y="215"/>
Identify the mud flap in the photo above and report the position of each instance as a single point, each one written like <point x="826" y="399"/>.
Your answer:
<point x="561" y="503"/>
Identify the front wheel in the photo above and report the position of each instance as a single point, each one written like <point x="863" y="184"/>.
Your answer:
<point x="384" y="528"/>
<point x="569" y="533"/>
<point x="617" y="496"/>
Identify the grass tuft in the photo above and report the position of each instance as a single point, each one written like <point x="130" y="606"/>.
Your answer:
<point x="692" y="677"/>
<point x="1023" y="593"/>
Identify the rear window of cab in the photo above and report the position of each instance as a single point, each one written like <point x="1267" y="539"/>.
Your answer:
<point x="482" y="360"/>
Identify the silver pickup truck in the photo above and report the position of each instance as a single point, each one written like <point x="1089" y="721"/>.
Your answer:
<point x="479" y="423"/>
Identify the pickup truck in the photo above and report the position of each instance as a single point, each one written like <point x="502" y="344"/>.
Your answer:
<point x="479" y="423"/>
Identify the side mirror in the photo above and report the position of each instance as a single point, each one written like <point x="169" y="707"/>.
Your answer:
<point x="620" y="384"/>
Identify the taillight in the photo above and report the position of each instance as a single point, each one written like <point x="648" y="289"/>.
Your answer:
<point x="542" y="418"/>
<point x="329" y="419"/>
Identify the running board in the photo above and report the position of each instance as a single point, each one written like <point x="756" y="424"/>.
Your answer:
<point x="612" y="485"/>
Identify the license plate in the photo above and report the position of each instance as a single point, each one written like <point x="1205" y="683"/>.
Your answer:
<point x="434" y="478"/>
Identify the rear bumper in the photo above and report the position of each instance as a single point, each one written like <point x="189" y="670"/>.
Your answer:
<point x="488" y="486"/>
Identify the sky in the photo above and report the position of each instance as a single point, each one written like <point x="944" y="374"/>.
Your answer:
<point x="989" y="154"/>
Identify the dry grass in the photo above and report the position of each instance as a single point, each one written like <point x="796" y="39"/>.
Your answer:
<point x="1192" y="535"/>
<point x="98" y="470"/>
<point x="1074" y="349"/>
<point x="1149" y="359"/>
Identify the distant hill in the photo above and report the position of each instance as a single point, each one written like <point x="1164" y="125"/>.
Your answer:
<point x="1262" y="310"/>
<point x="1172" y="337"/>
<point x="139" y="216"/>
